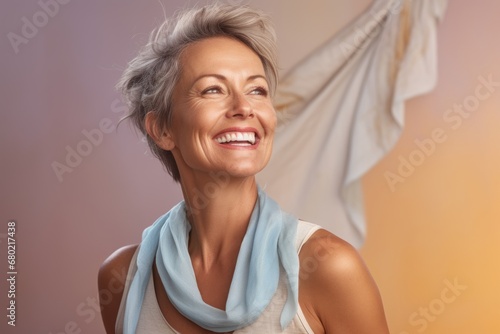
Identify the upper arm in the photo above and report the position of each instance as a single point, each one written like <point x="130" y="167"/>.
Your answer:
<point x="111" y="282"/>
<point x="343" y="294"/>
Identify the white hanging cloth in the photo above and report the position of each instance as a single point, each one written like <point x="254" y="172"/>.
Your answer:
<point x="342" y="109"/>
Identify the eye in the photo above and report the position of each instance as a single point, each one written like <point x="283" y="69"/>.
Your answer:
<point x="259" y="91"/>
<point x="212" y="90"/>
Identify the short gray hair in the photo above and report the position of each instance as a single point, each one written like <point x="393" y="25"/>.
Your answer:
<point x="149" y="79"/>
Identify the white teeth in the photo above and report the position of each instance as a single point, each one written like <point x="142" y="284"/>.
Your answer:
<point x="237" y="137"/>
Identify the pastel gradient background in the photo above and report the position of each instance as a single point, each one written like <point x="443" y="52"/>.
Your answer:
<point x="438" y="226"/>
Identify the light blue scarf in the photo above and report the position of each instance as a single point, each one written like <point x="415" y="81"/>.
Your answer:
<point x="269" y="241"/>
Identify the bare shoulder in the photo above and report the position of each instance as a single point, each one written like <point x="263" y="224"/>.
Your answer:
<point x="340" y="293"/>
<point x="328" y="262"/>
<point x="329" y="254"/>
<point x="112" y="278"/>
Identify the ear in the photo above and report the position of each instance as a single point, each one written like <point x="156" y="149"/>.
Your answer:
<point x="157" y="132"/>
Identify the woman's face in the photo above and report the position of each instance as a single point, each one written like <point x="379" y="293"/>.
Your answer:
<point x="222" y="116"/>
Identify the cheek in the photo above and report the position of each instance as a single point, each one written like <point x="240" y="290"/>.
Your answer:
<point x="191" y="130"/>
<point x="188" y="120"/>
<point x="274" y="119"/>
<point x="271" y="120"/>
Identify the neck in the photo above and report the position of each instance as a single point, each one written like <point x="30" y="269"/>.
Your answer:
<point x="219" y="210"/>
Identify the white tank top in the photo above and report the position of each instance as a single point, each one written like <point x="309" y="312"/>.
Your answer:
<point x="151" y="320"/>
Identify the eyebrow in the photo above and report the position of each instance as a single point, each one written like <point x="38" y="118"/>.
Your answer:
<point x="221" y="77"/>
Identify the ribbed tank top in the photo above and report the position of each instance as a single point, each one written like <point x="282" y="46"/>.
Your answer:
<point x="151" y="320"/>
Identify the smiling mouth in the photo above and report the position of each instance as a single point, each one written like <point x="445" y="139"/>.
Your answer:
<point x="237" y="138"/>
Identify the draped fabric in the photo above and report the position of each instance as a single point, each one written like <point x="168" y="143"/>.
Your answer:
<point x="268" y="245"/>
<point x="342" y="109"/>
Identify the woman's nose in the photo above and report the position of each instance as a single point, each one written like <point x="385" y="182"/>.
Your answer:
<point x="241" y="107"/>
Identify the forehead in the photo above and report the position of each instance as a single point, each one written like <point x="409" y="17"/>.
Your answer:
<point x="220" y="54"/>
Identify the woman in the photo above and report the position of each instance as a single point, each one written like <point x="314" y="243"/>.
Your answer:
<point x="226" y="259"/>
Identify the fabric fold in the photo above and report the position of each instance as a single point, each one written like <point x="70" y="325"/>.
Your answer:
<point x="341" y="110"/>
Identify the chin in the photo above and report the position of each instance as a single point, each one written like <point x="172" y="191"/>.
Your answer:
<point x="244" y="171"/>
